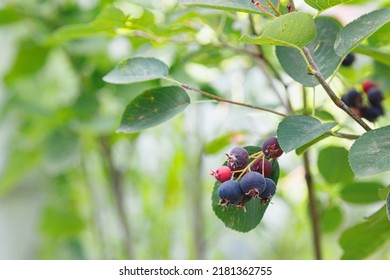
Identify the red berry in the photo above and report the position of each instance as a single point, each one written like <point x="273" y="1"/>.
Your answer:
<point x="222" y="174"/>
<point x="367" y="85"/>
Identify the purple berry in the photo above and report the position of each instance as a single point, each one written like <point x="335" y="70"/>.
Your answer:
<point x="237" y="158"/>
<point x="352" y="98"/>
<point x="375" y="96"/>
<point x="257" y="166"/>
<point x="222" y="174"/>
<point x="230" y="192"/>
<point x="269" y="191"/>
<point x="252" y="183"/>
<point x="371" y="113"/>
<point x="348" y="60"/>
<point x="271" y="148"/>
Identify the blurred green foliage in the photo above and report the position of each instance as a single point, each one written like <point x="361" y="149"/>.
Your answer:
<point x="72" y="188"/>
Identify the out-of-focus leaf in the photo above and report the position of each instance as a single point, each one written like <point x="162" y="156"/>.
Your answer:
<point x="361" y="192"/>
<point x="331" y="219"/>
<point x="361" y="240"/>
<point x="322" y="5"/>
<point x="333" y="165"/>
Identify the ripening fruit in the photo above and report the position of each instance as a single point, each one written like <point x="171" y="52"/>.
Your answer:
<point x="257" y="166"/>
<point x="375" y="96"/>
<point x="271" y="148"/>
<point x="348" y="60"/>
<point x="222" y="174"/>
<point x="352" y="98"/>
<point x="367" y="85"/>
<point x="230" y="192"/>
<point x="252" y="183"/>
<point x="372" y="113"/>
<point x="237" y="158"/>
<point x="269" y="191"/>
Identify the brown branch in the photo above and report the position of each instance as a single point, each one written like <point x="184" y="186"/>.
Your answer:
<point x="220" y="99"/>
<point x="313" y="69"/>
<point x="313" y="209"/>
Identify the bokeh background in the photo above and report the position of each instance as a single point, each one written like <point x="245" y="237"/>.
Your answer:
<point x="73" y="188"/>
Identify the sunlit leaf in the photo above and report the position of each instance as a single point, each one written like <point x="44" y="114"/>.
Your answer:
<point x="153" y="107"/>
<point x="321" y="49"/>
<point x="292" y="30"/>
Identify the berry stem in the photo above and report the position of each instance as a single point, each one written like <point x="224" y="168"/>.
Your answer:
<point x="255" y="157"/>
<point x="313" y="69"/>
<point x="276" y="10"/>
<point x="260" y="7"/>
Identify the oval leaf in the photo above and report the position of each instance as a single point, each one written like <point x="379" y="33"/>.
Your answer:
<point x="293" y="30"/>
<point x="321" y="49"/>
<point x="334" y="173"/>
<point x="370" y="154"/>
<point x="228" y="5"/>
<point x="363" y="239"/>
<point x="321" y="5"/>
<point x="153" y="107"/>
<point x="137" y="69"/>
<point x="355" y="32"/>
<point x="235" y="218"/>
<point x="295" y="131"/>
<point x="361" y="192"/>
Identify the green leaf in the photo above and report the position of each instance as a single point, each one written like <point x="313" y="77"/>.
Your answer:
<point x="370" y="154"/>
<point x="228" y="5"/>
<point x="381" y="37"/>
<point x="331" y="219"/>
<point x="275" y="171"/>
<point x="363" y="239"/>
<point x="321" y="49"/>
<point x="107" y="23"/>
<point x="388" y="206"/>
<point x="334" y="173"/>
<point x="9" y="15"/>
<point x="137" y="69"/>
<point x="295" y="131"/>
<point x="153" y="107"/>
<point x="355" y="32"/>
<point x="361" y="192"/>
<point x="305" y="147"/>
<point x="235" y="218"/>
<point x="292" y="30"/>
<point x="380" y="55"/>
<point x="321" y="5"/>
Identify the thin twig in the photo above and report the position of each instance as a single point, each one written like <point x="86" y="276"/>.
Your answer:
<point x="313" y="69"/>
<point x="220" y="99"/>
<point x="313" y="208"/>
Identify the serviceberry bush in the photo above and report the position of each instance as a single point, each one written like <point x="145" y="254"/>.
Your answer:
<point x="317" y="54"/>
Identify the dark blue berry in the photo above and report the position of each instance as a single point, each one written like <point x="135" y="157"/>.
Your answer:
<point x="375" y="96"/>
<point x="252" y="183"/>
<point x="230" y="192"/>
<point x="271" y="148"/>
<point x="269" y="191"/>
<point x="371" y="113"/>
<point x="238" y="158"/>
<point x="352" y="98"/>
<point x="348" y="60"/>
<point x="257" y="166"/>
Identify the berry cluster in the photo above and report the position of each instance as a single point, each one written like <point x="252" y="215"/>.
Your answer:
<point x="366" y="103"/>
<point x="248" y="176"/>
